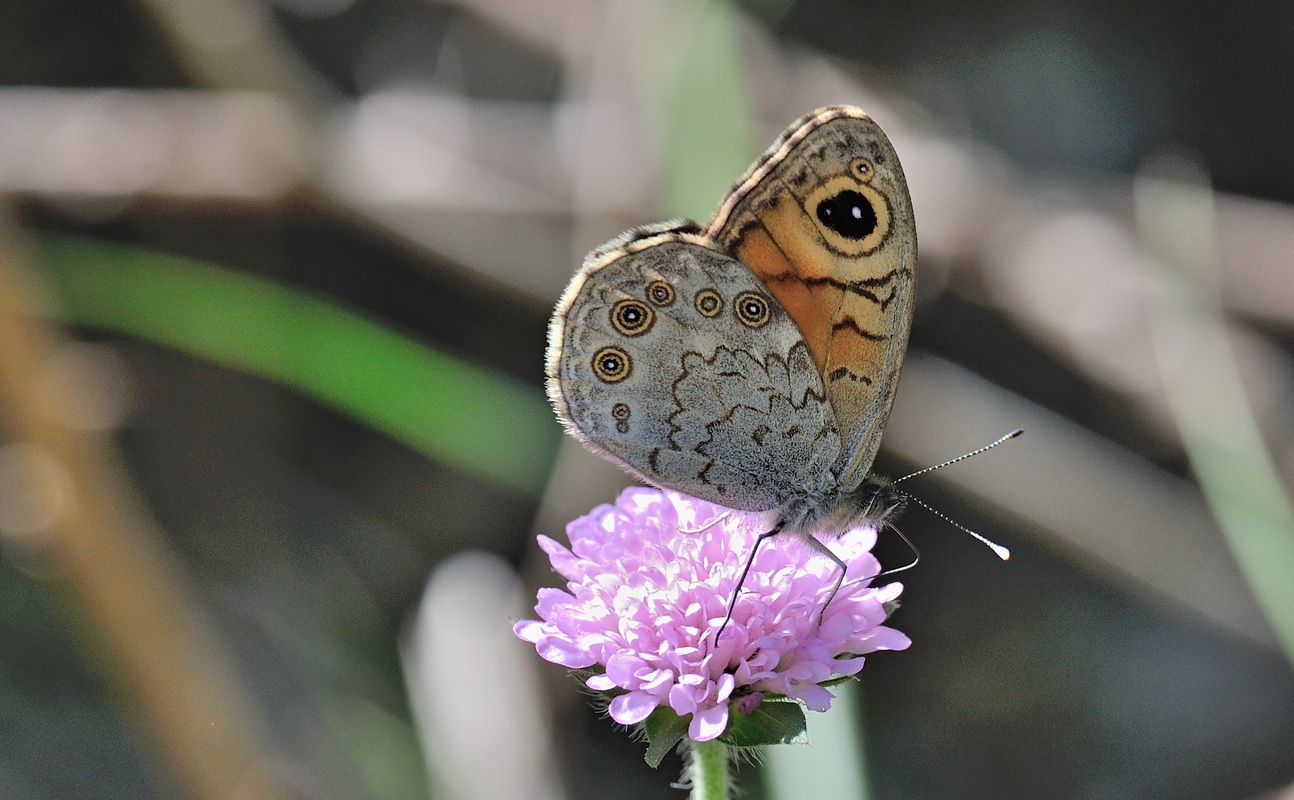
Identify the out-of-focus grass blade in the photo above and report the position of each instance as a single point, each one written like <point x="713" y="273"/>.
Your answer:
<point x="477" y="420"/>
<point x="690" y="57"/>
<point x="1176" y="223"/>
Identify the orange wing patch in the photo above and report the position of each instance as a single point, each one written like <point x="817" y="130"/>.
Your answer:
<point x="841" y="304"/>
<point x="778" y="257"/>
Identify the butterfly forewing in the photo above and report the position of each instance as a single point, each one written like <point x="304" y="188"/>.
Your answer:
<point x="824" y="219"/>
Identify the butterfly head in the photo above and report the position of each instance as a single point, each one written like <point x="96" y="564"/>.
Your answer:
<point x="874" y="503"/>
<point x="879" y="502"/>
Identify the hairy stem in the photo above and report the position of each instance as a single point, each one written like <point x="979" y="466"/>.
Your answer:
<point x="707" y="770"/>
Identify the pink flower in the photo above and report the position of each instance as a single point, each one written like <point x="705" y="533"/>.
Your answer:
<point x="644" y="599"/>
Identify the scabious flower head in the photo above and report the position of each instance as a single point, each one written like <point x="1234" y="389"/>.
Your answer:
<point x="646" y="592"/>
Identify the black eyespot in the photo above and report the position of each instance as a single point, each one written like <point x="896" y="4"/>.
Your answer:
<point x="611" y="365"/>
<point x="862" y="169"/>
<point x="848" y="213"/>
<point x="632" y="317"/>
<point x="708" y="303"/>
<point x="752" y="309"/>
<point x="661" y="293"/>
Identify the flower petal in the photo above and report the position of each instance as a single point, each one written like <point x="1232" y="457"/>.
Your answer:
<point x="709" y="723"/>
<point x="561" y="651"/>
<point x="622" y="666"/>
<point x="600" y="683"/>
<point x="682" y="699"/>
<point x="748" y="703"/>
<point x="632" y="708"/>
<point x="529" y="630"/>
<point x="724" y="687"/>
<point x="817" y="698"/>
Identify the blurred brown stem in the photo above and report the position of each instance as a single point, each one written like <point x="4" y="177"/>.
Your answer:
<point x="114" y="574"/>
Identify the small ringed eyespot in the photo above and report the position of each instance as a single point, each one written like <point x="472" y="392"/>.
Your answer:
<point x="708" y="303"/>
<point x="661" y="293"/>
<point x="632" y="317"/>
<point x="862" y="169"/>
<point x="752" y="309"/>
<point x="620" y="413"/>
<point x="611" y="365"/>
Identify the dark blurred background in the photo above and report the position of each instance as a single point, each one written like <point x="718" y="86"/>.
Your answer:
<point x="276" y="276"/>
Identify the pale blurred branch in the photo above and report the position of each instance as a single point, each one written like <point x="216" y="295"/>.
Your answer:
<point x="234" y="44"/>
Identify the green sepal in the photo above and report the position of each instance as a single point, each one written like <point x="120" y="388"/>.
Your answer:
<point x="664" y="730"/>
<point x="836" y="681"/>
<point x="777" y="721"/>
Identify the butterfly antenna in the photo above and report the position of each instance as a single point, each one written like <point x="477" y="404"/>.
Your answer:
<point x="988" y="446"/>
<point x="1001" y="552"/>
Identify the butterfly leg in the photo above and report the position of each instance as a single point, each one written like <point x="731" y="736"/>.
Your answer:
<point x="763" y="537"/>
<point x="885" y="573"/>
<point x="707" y="526"/>
<point x="816" y="544"/>
<point x="916" y="556"/>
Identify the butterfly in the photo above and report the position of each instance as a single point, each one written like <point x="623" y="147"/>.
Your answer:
<point x="753" y="362"/>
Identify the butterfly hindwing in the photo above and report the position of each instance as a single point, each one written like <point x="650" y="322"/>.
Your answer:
<point x="674" y="360"/>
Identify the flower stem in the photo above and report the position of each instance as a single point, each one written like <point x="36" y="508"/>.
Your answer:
<point x="707" y="770"/>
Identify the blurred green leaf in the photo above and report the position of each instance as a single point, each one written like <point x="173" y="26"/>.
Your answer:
<point x="482" y="422"/>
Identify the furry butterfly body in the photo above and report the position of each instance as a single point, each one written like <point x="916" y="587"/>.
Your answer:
<point x="753" y="362"/>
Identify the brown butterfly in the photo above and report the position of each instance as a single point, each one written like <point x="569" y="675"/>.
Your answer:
<point x="753" y="362"/>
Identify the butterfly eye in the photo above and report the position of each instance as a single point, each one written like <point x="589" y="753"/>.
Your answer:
<point x="862" y="169"/>
<point x="611" y="365"/>
<point x="632" y="317"/>
<point x="848" y="213"/>
<point x="708" y="303"/>
<point x="752" y="309"/>
<point x="660" y="293"/>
